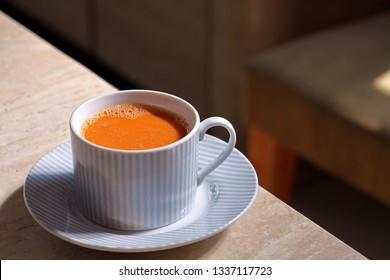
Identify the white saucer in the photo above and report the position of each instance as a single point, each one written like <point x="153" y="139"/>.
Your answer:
<point x="225" y="196"/>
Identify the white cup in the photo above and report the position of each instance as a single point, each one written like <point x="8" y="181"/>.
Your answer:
<point x="140" y="189"/>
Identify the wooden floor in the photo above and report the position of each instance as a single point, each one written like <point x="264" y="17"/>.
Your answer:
<point x="351" y="216"/>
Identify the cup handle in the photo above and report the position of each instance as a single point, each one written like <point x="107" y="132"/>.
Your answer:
<point x="206" y="125"/>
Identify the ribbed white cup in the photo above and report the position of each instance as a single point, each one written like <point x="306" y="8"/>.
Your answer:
<point x="140" y="189"/>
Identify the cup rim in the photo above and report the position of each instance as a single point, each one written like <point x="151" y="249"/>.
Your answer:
<point x="189" y="135"/>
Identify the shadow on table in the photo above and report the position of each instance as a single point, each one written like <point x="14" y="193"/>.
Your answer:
<point x="22" y="238"/>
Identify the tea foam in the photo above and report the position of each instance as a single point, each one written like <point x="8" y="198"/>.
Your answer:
<point x="131" y="111"/>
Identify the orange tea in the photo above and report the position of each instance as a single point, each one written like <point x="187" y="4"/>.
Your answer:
<point x="134" y="127"/>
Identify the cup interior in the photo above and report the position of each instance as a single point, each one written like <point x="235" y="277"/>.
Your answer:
<point x="163" y="100"/>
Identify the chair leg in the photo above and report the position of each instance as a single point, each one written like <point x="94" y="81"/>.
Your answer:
<point x="273" y="162"/>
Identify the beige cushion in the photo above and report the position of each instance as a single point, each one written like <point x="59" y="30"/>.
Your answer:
<point x="346" y="70"/>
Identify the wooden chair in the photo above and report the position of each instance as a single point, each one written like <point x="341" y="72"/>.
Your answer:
<point x="325" y="98"/>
